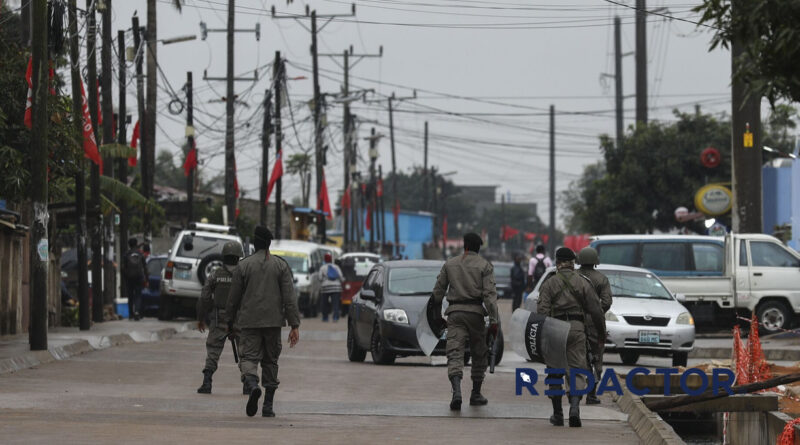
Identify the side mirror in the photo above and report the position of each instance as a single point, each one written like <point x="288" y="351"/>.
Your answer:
<point x="368" y="294"/>
<point x="681" y="298"/>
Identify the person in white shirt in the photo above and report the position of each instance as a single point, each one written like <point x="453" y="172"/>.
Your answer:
<point x="331" y="277"/>
<point x="537" y="267"/>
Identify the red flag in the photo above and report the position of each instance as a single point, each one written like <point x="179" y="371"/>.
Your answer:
<point x="277" y="172"/>
<point x="134" y="144"/>
<point x="368" y="222"/>
<point x="324" y="204"/>
<point x="444" y="230"/>
<point x="89" y="143"/>
<point x="191" y="160"/>
<point x="529" y="236"/>
<point x="545" y="238"/>
<point x="29" y="101"/>
<point x="379" y="188"/>
<point x="396" y="212"/>
<point x="509" y="232"/>
<point x="346" y="198"/>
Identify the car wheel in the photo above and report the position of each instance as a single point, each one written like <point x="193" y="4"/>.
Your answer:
<point x="354" y="352"/>
<point x="773" y="316"/>
<point x="500" y="348"/>
<point x="165" y="308"/>
<point x="380" y="356"/>
<point x="629" y="357"/>
<point x="680" y="359"/>
<point x="207" y="265"/>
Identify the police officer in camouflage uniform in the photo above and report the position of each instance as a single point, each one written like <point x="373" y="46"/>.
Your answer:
<point x="472" y="295"/>
<point x="261" y="301"/>
<point x="568" y="296"/>
<point x="212" y="299"/>
<point x="588" y="259"/>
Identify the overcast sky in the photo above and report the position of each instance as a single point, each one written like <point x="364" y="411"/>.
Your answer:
<point x="508" y="60"/>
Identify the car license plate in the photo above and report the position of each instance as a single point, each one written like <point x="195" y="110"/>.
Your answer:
<point x="649" y="337"/>
<point x="183" y="274"/>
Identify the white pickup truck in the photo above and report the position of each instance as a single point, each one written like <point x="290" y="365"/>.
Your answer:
<point x="715" y="277"/>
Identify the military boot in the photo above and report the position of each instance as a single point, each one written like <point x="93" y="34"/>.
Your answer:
<point x="245" y="390"/>
<point x="266" y="410"/>
<point x="455" y="403"/>
<point x="205" y="388"/>
<point x="574" y="410"/>
<point x="254" y="393"/>
<point x="591" y="398"/>
<point x="476" y="398"/>
<point x="557" y="418"/>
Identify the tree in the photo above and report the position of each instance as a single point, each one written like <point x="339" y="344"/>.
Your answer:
<point x="637" y="188"/>
<point x="768" y="31"/>
<point x="300" y="164"/>
<point x="778" y="126"/>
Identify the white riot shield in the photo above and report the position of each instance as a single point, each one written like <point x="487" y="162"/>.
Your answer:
<point x="539" y="338"/>
<point x="430" y="327"/>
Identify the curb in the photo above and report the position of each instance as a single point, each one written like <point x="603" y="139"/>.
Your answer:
<point x="83" y="345"/>
<point x="725" y="353"/>
<point x="649" y="426"/>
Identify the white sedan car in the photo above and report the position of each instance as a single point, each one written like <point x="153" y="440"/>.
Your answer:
<point x="645" y="318"/>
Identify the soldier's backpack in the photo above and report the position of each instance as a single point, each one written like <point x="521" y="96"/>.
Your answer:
<point x="538" y="270"/>
<point x="333" y="274"/>
<point x="133" y="265"/>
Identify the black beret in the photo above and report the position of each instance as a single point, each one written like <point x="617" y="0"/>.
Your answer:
<point x="565" y="254"/>
<point x="262" y="234"/>
<point x="473" y="239"/>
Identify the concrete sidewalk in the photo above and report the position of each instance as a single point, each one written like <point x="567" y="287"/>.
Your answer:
<point x="776" y="347"/>
<point x="63" y="343"/>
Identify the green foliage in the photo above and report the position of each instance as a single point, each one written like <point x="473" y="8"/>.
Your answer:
<point x="779" y="126"/>
<point x="768" y="31"/>
<point x="300" y="164"/>
<point x="637" y="188"/>
<point x="117" y="151"/>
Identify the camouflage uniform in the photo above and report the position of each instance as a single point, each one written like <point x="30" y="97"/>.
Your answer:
<point x="603" y="290"/>
<point x="212" y="303"/>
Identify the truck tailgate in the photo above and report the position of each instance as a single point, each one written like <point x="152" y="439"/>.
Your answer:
<point x="699" y="289"/>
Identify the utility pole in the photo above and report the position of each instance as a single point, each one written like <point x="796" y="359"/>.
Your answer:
<point x="84" y="315"/>
<point x="148" y="125"/>
<point x="425" y="170"/>
<point x="746" y="143"/>
<point x="109" y="278"/>
<point x="25" y="23"/>
<point x="618" y="80"/>
<point x="122" y="166"/>
<point x="266" y="131"/>
<point x="230" y="158"/>
<point x="140" y="108"/>
<point x="435" y="208"/>
<point x="551" y="239"/>
<point x="396" y="201"/>
<point x="373" y="156"/>
<point x="278" y="74"/>
<point x="382" y="210"/>
<point x="503" y="223"/>
<point x="96" y="220"/>
<point x="190" y="141"/>
<point x="347" y="148"/>
<point x="39" y="246"/>
<point x="641" y="62"/>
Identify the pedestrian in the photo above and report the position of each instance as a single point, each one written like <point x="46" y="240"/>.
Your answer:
<point x="331" y="278"/>
<point x="569" y="296"/>
<point x="135" y="268"/>
<point x="472" y="295"/>
<point x="211" y="305"/>
<point x="537" y="266"/>
<point x="588" y="259"/>
<point x="517" y="282"/>
<point x="261" y="301"/>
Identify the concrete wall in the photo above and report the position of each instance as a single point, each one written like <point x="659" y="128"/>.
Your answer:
<point x="777" y="193"/>
<point x="746" y="428"/>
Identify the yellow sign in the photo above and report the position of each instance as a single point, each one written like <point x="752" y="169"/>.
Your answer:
<point x="748" y="139"/>
<point x="713" y="200"/>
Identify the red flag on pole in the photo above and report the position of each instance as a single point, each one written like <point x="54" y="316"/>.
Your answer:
<point x="324" y="204"/>
<point x="529" y="236"/>
<point x="368" y="221"/>
<point x="277" y="172"/>
<point x="89" y="143"/>
<point x="29" y="101"/>
<point x="134" y="144"/>
<point x="509" y="232"/>
<point x="396" y="212"/>
<point x="545" y="238"/>
<point x="379" y="188"/>
<point x="191" y="160"/>
<point x="346" y="198"/>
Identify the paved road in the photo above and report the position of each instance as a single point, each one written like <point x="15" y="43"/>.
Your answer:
<point x="146" y="393"/>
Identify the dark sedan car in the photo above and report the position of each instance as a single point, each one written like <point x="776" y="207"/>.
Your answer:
<point x="384" y="314"/>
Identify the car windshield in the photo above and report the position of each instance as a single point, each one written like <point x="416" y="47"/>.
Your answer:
<point x="636" y="285"/>
<point x="412" y="280"/>
<point x="200" y="246"/>
<point x="357" y="267"/>
<point x="502" y="271"/>
<point x="298" y="262"/>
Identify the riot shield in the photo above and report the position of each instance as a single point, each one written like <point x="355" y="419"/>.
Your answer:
<point x="539" y="338"/>
<point x="430" y="327"/>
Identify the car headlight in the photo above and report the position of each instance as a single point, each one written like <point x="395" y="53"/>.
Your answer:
<point x="395" y="315"/>
<point x="611" y="317"/>
<point x="685" y="318"/>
